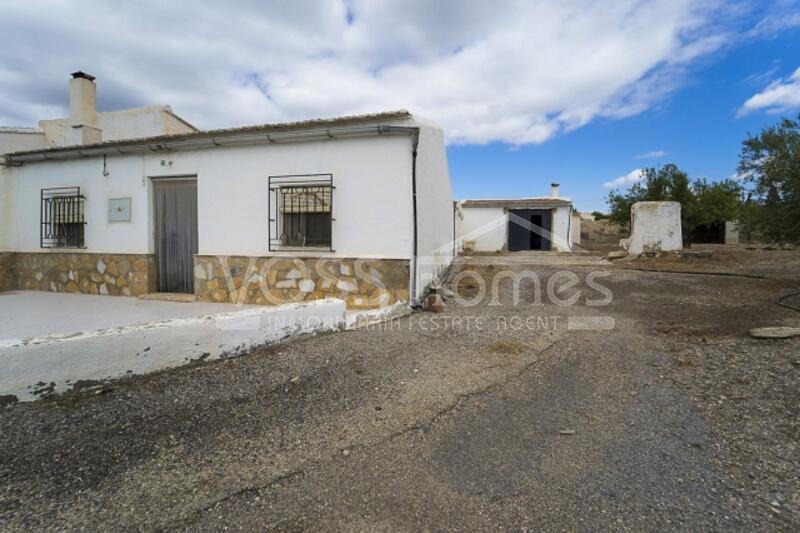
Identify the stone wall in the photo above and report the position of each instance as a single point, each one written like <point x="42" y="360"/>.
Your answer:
<point x="88" y="273"/>
<point x="362" y="283"/>
<point x="7" y="277"/>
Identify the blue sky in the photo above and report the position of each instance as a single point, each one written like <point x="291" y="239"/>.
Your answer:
<point x="696" y="125"/>
<point x="526" y="91"/>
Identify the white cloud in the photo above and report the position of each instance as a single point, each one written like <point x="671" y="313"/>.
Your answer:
<point x="775" y="23"/>
<point x="624" y="181"/>
<point x="512" y="71"/>
<point x="779" y="96"/>
<point x="655" y="154"/>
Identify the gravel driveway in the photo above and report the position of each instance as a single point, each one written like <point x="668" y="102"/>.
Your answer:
<point x="477" y="418"/>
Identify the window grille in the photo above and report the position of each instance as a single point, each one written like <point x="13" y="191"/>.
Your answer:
<point x="62" y="218"/>
<point x="301" y="212"/>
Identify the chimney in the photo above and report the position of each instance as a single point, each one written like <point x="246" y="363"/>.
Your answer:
<point x="83" y="117"/>
<point x="82" y="100"/>
<point x="554" y="190"/>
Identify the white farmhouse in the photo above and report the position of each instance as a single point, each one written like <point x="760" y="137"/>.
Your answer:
<point x="357" y="207"/>
<point x="544" y="223"/>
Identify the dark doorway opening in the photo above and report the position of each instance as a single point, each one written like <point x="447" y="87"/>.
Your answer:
<point x="536" y="238"/>
<point x="529" y="229"/>
<point x="713" y="233"/>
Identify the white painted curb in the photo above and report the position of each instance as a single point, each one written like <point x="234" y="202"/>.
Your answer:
<point x="360" y="319"/>
<point x="55" y="363"/>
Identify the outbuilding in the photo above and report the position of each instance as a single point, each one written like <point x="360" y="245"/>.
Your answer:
<point x="542" y="223"/>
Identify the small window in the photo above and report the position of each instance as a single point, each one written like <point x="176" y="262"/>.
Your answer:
<point x="62" y="218"/>
<point x="301" y="210"/>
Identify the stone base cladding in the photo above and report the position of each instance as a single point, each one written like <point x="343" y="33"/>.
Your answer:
<point x="87" y="273"/>
<point x="362" y="283"/>
<point x="8" y="280"/>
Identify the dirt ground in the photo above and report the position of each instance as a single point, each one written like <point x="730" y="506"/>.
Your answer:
<point x="499" y="415"/>
<point x="601" y="235"/>
<point x="746" y="260"/>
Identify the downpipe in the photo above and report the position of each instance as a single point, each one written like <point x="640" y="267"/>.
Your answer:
<point x="414" y="300"/>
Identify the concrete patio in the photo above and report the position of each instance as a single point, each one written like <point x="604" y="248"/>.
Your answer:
<point x="49" y="342"/>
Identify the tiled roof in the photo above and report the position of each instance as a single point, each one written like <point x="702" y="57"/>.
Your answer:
<point x="317" y="123"/>
<point x="517" y="202"/>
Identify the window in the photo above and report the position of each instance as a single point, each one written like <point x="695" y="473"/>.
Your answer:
<point x="62" y="218"/>
<point x="301" y="210"/>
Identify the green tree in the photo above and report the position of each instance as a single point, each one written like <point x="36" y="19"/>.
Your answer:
<point x="770" y="161"/>
<point x="667" y="183"/>
<point x="715" y="202"/>
<point x="619" y="206"/>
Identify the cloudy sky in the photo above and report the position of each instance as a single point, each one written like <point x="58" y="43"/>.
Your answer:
<point x="583" y="92"/>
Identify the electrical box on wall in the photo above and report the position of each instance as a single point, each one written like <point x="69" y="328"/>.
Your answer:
<point x="119" y="209"/>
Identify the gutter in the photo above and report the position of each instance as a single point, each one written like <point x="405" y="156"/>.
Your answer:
<point x="415" y="302"/>
<point x="455" y="244"/>
<point x="234" y="139"/>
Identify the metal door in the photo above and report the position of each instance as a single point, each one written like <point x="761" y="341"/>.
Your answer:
<point x="529" y="229"/>
<point x="176" y="233"/>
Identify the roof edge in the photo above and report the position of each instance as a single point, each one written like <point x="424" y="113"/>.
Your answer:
<point x="187" y="142"/>
<point x="311" y="124"/>
<point x="516" y="202"/>
<point x="20" y="129"/>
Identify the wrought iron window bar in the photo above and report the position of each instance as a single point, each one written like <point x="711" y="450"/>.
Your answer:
<point x="62" y="217"/>
<point x="300" y="212"/>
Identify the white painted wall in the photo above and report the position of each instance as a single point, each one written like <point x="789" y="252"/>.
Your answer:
<point x="372" y="199"/>
<point x="459" y="218"/>
<point x="655" y="226"/>
<point x="12" y="140"/>
<point x="575" y="228"/>
<point x="561" y="229"/>
<point x="6" y="214"/>
<point x="141" y="122"/>
<point x="484" y="229"/>
<point x="132" y="123"/>
<point x="125" y="179"/>
<point x="435" y="211"/>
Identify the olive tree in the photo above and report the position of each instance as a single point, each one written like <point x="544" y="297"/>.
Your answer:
<point x="770" y="162"/>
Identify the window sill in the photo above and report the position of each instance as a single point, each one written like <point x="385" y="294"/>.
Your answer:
<point x="301" y="249"/>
